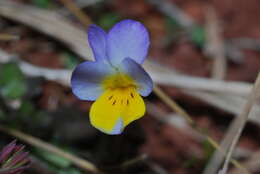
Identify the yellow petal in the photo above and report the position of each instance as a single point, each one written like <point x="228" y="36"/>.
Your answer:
<point x="134" y="107"/>
<point x="115" y="109"/>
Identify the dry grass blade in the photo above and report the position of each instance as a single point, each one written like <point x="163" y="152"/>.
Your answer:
<point x="215" y="45"/>
<point x="50" y="23"/>
<point x="252" y="164"/>
<point x="170" y="9"/>
<point x="241" y="123"/>
<point x="134" y="161"/>
<point x="165" y="76"/>
<point x="173" y="105"/>
<point x="86" y="165"/>
<point x="84" y="19"/>
<point x="229" y="103"/>
<point x="232" y="104"/>
<point x="8" y="37"/>
<point x="217" y="158"/>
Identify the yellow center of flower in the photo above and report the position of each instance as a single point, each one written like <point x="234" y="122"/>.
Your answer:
<point x="119" y="105"/>
<point x="117" y="81"/>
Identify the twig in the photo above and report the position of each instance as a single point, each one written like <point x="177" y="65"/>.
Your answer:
<point x="138" y="159"/>
<point x="214" y="46"/>
<point x="241" y="123"/>
<point x="229" y="103"/>
<point x="170" y="9"/>
<point x="70" y="5"/>
<point x="84" y="3"/>
<point x="88" y="166"/>
<point x="158" y="169"/>
<point x="50" y="23"/>
<point x="180" y="123"/>
<point x="217" y="158"/>
<point x="246" y="43"/>
<point x="8" y="37"/>
<point x="171" y="78"/>
<point x="252" y="164"/>
<point x="174" y="106"/>
<point x="80" y="3"/>
<point x="173" y="11"/>
<point x="174" y="120"/>
<point x="60" y="76"/>
<point x="163" y="75"/>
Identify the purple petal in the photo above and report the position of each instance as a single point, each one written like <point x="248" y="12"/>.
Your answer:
<point x="18" y="159"/>
<point x="16" y="170"/>
<point x="142" y="78"/>
<point x="118" y="129"/>
<point x="97" y="40"/>
<point x="127" y="38"/>
<point x="7" y="150"/>
<point x="86" y="79"/>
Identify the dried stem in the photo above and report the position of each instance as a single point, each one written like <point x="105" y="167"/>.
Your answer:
<point x="217" y="158"/>
<point x="76" y="11"/>
<point x="215" y="44"/>
<point x="88" y="166"/>
<point x="241" y="124"/>
<point x="131" y="162"/>
<point x="174" y="106"/>
<point x="252" y="164"/>
<point x="170" y="9"/>
<point x="8" y="37"/>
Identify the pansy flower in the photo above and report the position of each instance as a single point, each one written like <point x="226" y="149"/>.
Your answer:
<point x="115" y="80"/>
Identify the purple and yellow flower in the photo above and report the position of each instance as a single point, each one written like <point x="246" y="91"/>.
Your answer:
<point x="116" y="79"/>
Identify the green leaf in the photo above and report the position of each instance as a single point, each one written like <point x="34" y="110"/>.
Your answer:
<point x="42" y="3"/>
<point x="192" y="161"/>
<point x="198" y="35"/>
<point x="208" y="150"/>
<point x="54" y="159"/>
<point x="69" y="171"/>
<point x="2" y="115"/>
<point x="171" y="24"/>
<point x="70" y="60"/>
<point x="26" y="108"/>
<point x="108" y="20"/>
<point x="12" y="81"/>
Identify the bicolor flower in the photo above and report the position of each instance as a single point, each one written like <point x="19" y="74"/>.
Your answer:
<point x="115" y="80"/>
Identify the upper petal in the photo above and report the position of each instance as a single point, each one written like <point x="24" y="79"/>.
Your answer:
<point x="97" y="40"/>
<point x="139" y="75"/>
<point x="127" y="38"/>
<point x="87" y="77"/>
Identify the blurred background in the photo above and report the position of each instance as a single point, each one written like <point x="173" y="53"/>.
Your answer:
<point x="204" y="55"/>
